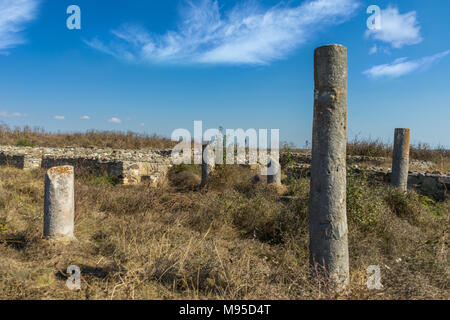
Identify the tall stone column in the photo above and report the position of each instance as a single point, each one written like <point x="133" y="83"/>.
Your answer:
<point x="400" y="159"/>
<point x="208" y="162"/>
<point x="327" y="211"/>
<point x="59" y="203"/>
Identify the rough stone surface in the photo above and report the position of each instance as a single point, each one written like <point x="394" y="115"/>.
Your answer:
<point x="327" y="211"/>
<point x="274" y="172"/>
<point x="128" y="166"/>
<point x="433" y="185"/>
<point x="59" y="203"/>
<point x="208" y="162"/>
<point x="133" y="167"/>
<point x="400" y="159"/>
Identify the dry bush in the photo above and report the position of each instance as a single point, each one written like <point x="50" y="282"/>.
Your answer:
<point x="377" y="148"/>
<point x="369" y="148"/>
<point x="185" y="176"/>
<point x="30" y="137"/>
<point x="439" y="156"/>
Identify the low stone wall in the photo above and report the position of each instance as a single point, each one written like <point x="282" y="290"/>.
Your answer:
<point x="435" y="186"/>
<point x="289" y="157"/>
<point x="128" y="166"/>
<point x="135" y="166"/>
<point x="20" y="158"/>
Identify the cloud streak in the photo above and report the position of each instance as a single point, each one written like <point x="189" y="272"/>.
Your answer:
<point x="247" y="34"/>
<point x="397" y="29"/>
<point x="115" y="120"/>
<point x="5" y="114"/>
<point x="403" y="66"/>
<point x="14" y="14"/>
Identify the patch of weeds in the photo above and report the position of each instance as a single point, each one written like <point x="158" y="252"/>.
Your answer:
<point x="185" y="167"/>
<point x="436" y="207"/>
<point x="104" y="179"/>
<point x="404" y="205"/>
<point x="362" y="205"/>
<point x="3" y="228"/>
<point x="24" y="143"/>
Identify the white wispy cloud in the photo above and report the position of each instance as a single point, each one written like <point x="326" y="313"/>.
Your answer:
<point x="85" y="118"/>
<point x="59" y="118"/>
<point x="14" y="14"/>
<point x="403" y="66"/>
<point x="115" y="120"/>
<point x="6" y="114"/>
<point x="247" y="34"/>
<point x="397" y="29"/>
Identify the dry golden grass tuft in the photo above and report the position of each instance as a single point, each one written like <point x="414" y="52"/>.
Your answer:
<point x="234" y="239"/>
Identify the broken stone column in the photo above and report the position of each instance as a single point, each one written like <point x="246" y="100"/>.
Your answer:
<point x="273" y="171"/>
<point x="59" y="203"/>
<point x="208" y="162"/>
<point x="400" y="159"/>
<point x="327" y="210"/>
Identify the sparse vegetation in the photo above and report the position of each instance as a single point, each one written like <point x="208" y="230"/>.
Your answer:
<point x="24" y="143"/>
<point x="377" y="148"/>
<point x="30" y="137"/>
<point x="234" y="239"/>
<point x="104" y="179"/>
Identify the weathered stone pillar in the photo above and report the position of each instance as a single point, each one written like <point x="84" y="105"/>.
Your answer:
<point x="400" y="159"/>
<point x="208" y="162"/>
<point x="327" y="210"/>
<point x="59" y="203"/>
<point x="273" y="171"/>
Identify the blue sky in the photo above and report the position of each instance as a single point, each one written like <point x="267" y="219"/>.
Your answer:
<point x="155" y="66"/>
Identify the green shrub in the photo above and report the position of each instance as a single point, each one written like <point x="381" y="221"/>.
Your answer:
<point x="104" y="179"/>
<point x="24" y="143"/>
<point x="404" y="205"/>
<point x="363" y="204"/>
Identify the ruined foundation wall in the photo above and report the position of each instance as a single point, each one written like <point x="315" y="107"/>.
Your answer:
<point x="128" y="166"/>
<point x="433" y="185"/>
<point x="135" y="166"/>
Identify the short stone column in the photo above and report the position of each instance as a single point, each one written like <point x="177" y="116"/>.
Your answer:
<point x="400" y="159"/>
<point x="208" y="162"/>
<point x="59" y="203"/>
<point x="327" y="209"/>
<point x="273" y="171"/>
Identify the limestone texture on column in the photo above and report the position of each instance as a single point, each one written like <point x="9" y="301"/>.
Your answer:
<point x="327" y="209"/>
<point x="59" y="203"/>
<point x="273" y="171"/>
<point x="400" y="159"/>
<point x="208" y="162"/>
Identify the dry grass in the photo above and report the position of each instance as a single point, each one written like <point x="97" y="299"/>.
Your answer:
<point x="37" y="137"/>
<point x="30" y="137"/>
<point x="234" y="239"/>
<point x="377" y="148"/>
